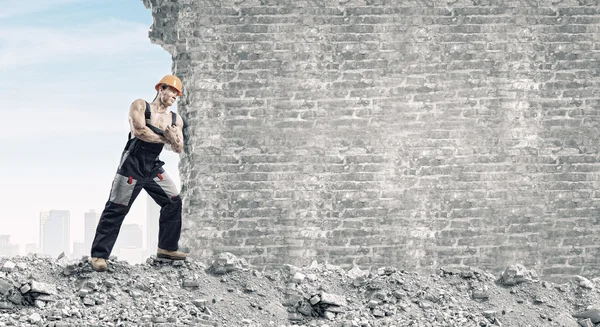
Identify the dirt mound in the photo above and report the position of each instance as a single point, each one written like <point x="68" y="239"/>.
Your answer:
<point x="37" y="290"/>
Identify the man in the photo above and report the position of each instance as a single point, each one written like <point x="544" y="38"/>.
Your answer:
<point x="152" y="126"/>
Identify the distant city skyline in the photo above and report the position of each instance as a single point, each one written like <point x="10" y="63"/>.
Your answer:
<point x="135" y="241"/>
<point x="75" y="66"/>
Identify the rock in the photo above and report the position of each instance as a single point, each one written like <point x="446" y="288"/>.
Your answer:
<point x="71" y="269"/>
<point x="592" y="314"/>
<point x="5" y="287"/>
<point x="8" y="266"/>
<point x="315" y="299"/>
<point x="333" y="299"/>
<point x="25" y="288"/>
<point x="480" y="295"/>
<point x="564" y="320"/>
<point x="356" y="272"/>
<point x="298" y="278"/>
<point x="35" y="318"/>
<point x="398" y="294"/>
<point x="291" y="299"/>
<point x="378" y="313"/>
<point x="226" y="262"/>
<point x="200" y="303"/>
<point x="45" y="297"/>
<point x="16" y="298"/>
<point x="190" y="283"/>
<point x="517" y="274"/>
<point x="39" y="304"/>
<point x="489" y="314"/>
<point x="585" y="283"/>
<point x="305" y="309"/>
<point x="335" y="309"/>
<point x="329" y="315"/>
<point x="44" y="288"/>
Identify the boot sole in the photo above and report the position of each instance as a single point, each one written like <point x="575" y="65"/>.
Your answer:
<point x="100" y="269"/>
<point x="166" y="256"/>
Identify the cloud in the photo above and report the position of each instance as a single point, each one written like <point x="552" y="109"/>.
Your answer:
<point x="26" y="45"/>
<point x="11" y="8"/>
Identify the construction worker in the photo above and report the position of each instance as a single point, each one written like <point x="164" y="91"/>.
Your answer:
<point x="152" y="126"/>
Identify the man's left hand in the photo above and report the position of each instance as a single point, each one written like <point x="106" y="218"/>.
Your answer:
<point x="171" y="133"/>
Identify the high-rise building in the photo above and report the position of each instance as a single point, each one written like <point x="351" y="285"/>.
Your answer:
<point x="79" y="250"/>
<point x="90" y="222"/>
<point x="6" y="248"/>
<point x="55" y="233"/>
<point x="130" y="235"/>
<point x="43" y="218"/>
<point x="129" y="243"/>
<point x="152" y="216"/>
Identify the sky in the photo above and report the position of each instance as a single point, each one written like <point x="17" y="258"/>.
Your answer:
<point x="69" y="69"/>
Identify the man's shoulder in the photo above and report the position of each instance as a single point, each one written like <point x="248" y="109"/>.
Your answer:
<point x="138" y="104"/>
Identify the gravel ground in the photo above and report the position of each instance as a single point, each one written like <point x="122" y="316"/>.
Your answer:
<point x="37" y="290"/>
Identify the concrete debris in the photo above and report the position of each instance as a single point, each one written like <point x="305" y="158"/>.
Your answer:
<point x="42" y="291"/>
<point x="517" y="274"/>
<point x="585" y="283"/>
<point x="8" y="266"/>
<point x="332" y="299"/>
<point x="591" y="314"/>
<point x="226" y="262"/>
<point x="298" y="277"/>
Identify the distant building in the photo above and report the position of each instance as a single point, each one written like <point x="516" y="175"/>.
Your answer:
<point x="152" y="217"/>
<point x="8" y="249"/>
<point x="90" y="222"/>
<point x="55" y="231"/>
<point x="79" y="250"/>
<point x="129" y="243"/>
<point x="43" y="218"/>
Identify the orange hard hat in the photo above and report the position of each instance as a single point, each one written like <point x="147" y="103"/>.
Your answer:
<point x="170" y="80"/>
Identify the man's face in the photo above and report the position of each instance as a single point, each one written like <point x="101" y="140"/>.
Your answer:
<point x="168" y="95"/>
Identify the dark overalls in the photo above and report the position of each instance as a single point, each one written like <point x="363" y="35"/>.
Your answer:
<point x="140" y="168"/>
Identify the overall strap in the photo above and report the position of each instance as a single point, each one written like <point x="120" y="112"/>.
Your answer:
<point x="152" y="127"/>
<point x="147" y="113"/>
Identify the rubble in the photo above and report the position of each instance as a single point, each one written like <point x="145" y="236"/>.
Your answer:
<point x="226" y="262"/>
<point x="517" y="274"/>
<point x="42" y="291"/>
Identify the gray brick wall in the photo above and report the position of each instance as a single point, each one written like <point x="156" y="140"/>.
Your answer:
<point x="387" y="132"/>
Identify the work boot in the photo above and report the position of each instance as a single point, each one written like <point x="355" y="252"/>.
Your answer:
<point x="173" y="255"/>
<point x="99" y="264"/>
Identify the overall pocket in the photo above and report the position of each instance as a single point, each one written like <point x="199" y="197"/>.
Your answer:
<point x="122" y="189"/>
